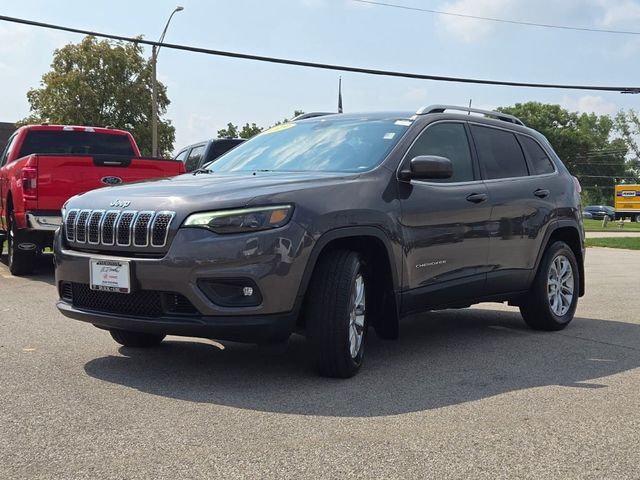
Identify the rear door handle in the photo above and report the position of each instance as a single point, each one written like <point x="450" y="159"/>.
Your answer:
<point x="477" y="197"/>
<point x="541" y="193"/>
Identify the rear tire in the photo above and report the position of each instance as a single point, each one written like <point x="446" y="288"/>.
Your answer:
<point x="21" y="262"/>
<point x="136" y="339"/>
<point x="336" y="316"/>
<point x="638" y="218"/>
<point x="553" y="297"/>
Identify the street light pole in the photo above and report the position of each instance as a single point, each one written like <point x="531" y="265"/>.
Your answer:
<point x="155" y="50"/>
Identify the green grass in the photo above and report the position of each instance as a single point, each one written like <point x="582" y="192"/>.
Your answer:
<point x="591" y="225"/>
<point x="630" y="243"/>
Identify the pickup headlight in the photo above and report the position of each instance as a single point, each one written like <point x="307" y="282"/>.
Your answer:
<point x="242" y="220"/>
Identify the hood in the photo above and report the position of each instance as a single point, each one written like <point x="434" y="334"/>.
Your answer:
<point x="190" y="193"/>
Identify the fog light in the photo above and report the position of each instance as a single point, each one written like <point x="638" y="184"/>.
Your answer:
<point x="231" y="292"/>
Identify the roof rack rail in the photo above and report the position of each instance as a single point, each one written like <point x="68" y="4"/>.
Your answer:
<point x="311" y="115"/>
<point x="505" y="117"/>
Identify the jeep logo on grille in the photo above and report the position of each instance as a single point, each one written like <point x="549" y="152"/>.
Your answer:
<point x="120" y="203"/>
<point x="111" y="180"/>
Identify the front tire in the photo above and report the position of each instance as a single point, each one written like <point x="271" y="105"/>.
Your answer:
<point x="136" y="339"/>
<point x="336" y="313"/>
<point x="553" y="297"/>
<point x="21" y="262"/>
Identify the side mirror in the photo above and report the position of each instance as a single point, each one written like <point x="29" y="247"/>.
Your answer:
<point x="427" y="167"/>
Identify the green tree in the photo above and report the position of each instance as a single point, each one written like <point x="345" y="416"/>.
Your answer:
<point x="249" y="130"/>
<point x="233" y="131"/>
<point x="628" y="124"/>
<point x="102" y="83"/>
<point x="586" y="143"/>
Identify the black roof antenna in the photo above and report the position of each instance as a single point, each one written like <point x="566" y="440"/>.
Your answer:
<point x="339" y="94"/>
<point x="469" y="113"/>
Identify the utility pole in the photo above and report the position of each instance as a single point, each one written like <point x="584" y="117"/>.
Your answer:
<point x="155" y="50"/>
<point x="154" y="104"/>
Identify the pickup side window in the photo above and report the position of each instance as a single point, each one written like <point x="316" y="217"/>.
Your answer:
<point x="446" y="140"/>
<point x="75" y="142"/>
<point x="5" y="153"/>
<point x="182" y="156"/>
<point x="193" y="162"/>
<point x="538" y="160"/>
<point x="499" y="153"/>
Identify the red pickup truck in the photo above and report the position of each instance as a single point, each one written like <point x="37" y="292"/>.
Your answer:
<point x="43" y="166"/>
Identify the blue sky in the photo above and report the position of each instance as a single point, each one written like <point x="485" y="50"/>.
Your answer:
<point x="207" y="92"/>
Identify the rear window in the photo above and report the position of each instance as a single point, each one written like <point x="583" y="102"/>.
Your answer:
<point x="75" y="143"/>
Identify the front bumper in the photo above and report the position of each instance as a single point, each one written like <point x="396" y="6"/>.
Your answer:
<point x="47" y="223"/>
<point x="197" y="254"/>
<point x="252" y="329"/>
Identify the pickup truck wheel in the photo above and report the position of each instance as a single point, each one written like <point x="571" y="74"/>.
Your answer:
<point x="21" y="262"/>
<point x="136" y="339"/>
<point x="552" y="300"/>
<point x="638" y="218"/>
<point x="336" y="314"/>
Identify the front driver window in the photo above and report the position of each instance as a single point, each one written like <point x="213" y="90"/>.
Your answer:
<point x="446" y="140"/>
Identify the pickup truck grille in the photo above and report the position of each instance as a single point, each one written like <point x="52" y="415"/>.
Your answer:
<point x="126" y="228"/>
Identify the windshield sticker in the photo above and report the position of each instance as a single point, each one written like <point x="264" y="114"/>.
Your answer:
<point x="389" y="135"/>
<point x="279" y="128"/>
<point x="404" y="123"/>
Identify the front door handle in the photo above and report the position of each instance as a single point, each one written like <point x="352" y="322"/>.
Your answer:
<point x="477" y="197"/>
<point x="541" y="193"/>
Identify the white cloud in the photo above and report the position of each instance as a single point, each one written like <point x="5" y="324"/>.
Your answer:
<point x="469" y="30"/>
<point x="14" y="37"/>
<point x="313" y="3"/>
<point x="619" y="12"/>
<point x="590" y="104"/>
<point x="416" y="95"/>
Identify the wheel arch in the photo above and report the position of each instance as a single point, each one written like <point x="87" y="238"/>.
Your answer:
<point x="568" y="232"/>
<point x="374" y="244"/>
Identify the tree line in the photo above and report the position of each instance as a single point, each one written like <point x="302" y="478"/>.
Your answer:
<point x="108" y="83"/>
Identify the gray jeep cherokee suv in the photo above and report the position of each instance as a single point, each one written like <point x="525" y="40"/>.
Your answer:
<point x="327" y="226"/>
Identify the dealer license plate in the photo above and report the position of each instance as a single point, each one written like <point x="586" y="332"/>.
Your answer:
<point x="110" y="276"/>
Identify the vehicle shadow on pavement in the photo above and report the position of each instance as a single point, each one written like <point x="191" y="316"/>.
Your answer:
<point x="442" y="358"/>
<point x="44" y="271"/>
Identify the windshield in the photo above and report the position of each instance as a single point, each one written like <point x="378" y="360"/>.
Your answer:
<point x="327" y="145"/>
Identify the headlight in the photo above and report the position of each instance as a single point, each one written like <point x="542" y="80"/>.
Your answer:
<point x="242" y="220"/>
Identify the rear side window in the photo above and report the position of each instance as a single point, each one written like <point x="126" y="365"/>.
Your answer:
<point x="538" y="159"/>
<point x="84" y="143"/>
<point x="499" y="153"/>
<point x="446" y="140"/>
<point x="193" y="162"/>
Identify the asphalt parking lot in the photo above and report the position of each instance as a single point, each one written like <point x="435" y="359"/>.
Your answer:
<point x="462" y="394"/>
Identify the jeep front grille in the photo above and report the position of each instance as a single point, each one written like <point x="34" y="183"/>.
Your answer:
<point x="126" y="228"/>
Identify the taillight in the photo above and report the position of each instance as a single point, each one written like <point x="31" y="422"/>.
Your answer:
<point x="576" y="183"/>
<point x="30" y="179"/>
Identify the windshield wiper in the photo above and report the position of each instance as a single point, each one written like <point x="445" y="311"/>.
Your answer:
<point x="201" y="170"/>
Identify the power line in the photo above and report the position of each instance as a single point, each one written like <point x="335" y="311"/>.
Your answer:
<point x="324" y="66"/>
<point x="499" y="20"/>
